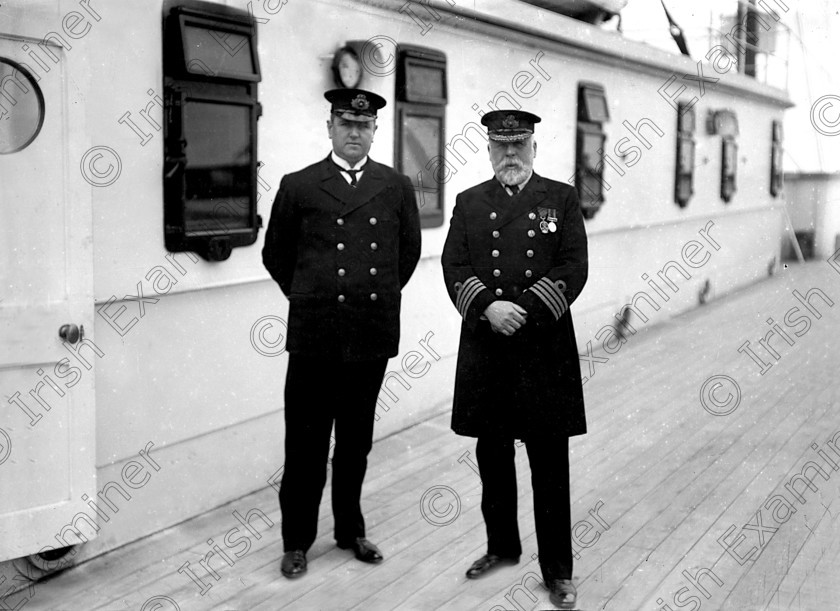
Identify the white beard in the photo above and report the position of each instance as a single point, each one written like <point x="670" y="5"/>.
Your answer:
<point x="511" y="175"/>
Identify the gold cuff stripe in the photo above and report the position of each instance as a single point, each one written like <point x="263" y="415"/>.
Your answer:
<point x="551" y="295"/>
<point x="540" y="292"/>
<point x="554" y="290"/>
<point x="462" y="291"/>
<point x="472" y="287"/>
<point x="467" y="301"/>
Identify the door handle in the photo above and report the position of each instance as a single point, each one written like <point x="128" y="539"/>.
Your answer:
<point x="71" y="333"/>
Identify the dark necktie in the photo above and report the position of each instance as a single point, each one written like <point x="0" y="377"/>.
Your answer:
<point x="352" y="173"/>
<point x="514" y="189"/>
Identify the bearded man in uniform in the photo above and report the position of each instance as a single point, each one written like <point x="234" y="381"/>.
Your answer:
<point x="514" y="260"/>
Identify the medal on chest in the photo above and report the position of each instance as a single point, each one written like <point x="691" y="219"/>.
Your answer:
<point x="552" y="220"/>
<point x="548" y="220"/>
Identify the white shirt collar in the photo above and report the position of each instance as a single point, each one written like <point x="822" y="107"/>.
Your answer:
<point x="521" y="184"/>
<point x="342" y="163"/>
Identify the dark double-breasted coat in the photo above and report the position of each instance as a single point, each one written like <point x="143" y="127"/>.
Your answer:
<point x="500" y="247"/>
<point x="342" y="255"/>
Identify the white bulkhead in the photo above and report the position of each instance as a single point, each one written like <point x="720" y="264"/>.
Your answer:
<point x="181" y="409"/>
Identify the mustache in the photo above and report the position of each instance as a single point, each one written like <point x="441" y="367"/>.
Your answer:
<point x="509" y="164"/>
<point x="510" y="175"/>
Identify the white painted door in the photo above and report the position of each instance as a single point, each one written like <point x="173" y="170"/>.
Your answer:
<point x="46" y="383"/>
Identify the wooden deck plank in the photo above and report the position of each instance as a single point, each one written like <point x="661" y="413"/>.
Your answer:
<point x="417" y="539"/>
<point x="398" y="522"/>
<point x="573" y="469"/>
<point x="669" y="533"/>
<point x="124" y="567"/>
<point x="687" y="496"/>
<point x="760" y="583"/>
<point x="146" y="555"/>
<point x="707" y="552"/>
<point x="323" y="555"/>
<point x="821" y="588"/>
<point x="127" y="582"/>
<point x="672" y="479"/>
<point x="660" y="525"/>
<point x="824" y="543"/>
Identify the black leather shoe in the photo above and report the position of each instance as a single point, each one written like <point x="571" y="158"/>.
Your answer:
<point x="486" y="563"/>
<point x="562" y="593"/>
<point x="293" y="563"/>
<point x="363" y="549"/>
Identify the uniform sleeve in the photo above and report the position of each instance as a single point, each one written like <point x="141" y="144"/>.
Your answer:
<point x="550" y="296"/>
<point x="466" y="291"/>
<point x="410" y="238"/>
<point x="280" y="248"/>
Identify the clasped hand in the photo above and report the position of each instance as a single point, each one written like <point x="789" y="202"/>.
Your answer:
<point x="505" y="317"/>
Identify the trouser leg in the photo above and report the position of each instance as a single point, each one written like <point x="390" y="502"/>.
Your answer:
<point x="308" y="424"/>
<point x="358" y="386"/>
<point x="497" y="468"/>
<point x="549" y="459"/>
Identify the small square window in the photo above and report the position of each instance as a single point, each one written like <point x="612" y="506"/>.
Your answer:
<point x="592" y="106"/>
<point x="210" y="75"/>
<point x="684" y="178"/>
<point x="420" y="127"/>
<point x="589" y="149"/>
<point x="422" y="133"/>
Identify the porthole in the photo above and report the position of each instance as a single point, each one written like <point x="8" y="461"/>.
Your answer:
<point x="21" y="107"/>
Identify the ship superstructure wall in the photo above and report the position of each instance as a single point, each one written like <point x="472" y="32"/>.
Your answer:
<point x="196" y="363"/>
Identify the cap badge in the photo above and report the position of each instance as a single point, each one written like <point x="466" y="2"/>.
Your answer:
<point x="510" y="122"/>
<point x="360" y="102"/>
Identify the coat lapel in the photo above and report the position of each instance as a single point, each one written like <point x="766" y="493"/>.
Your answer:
<point x="332" y="181"/>
<point x="371" y="183"/>
<point x="533" y="195"/>
<point x="495" y="197"/>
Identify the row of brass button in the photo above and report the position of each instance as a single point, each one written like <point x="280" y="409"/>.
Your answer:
<point x="498" y="272"/>
<point x="531" y="215"/>
<point x="342" y="272"/>
<point x="528" y="253"/>
<point x="531" y="233"/>
<point x="373" y="246"/>
<point x="372" y="221"/>
<point x="373" y="297"/>
<point x="373" y="270"/>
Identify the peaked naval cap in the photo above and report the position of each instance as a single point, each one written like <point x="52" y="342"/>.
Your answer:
<point x="354" y="104"/>
<point x="509" y="125"/>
